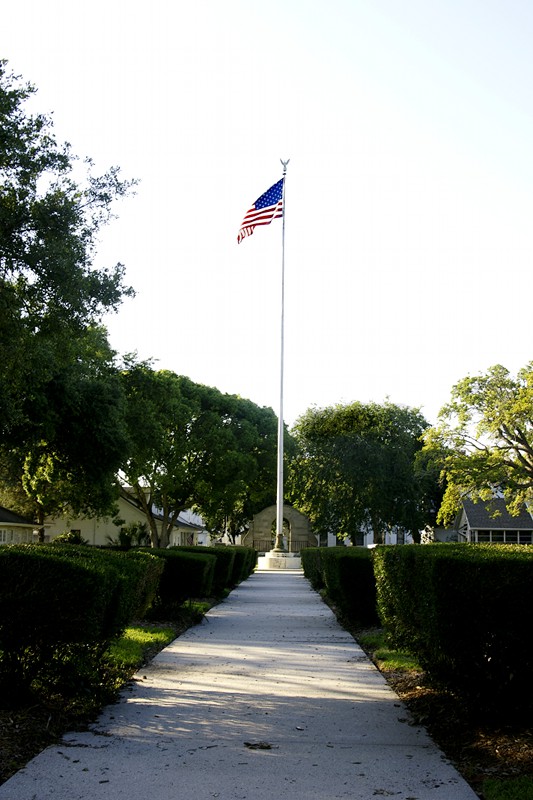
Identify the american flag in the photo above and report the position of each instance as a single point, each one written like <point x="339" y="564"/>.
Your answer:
<point x="266" y="208"/>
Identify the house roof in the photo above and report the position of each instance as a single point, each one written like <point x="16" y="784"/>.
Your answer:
<point x="495" y="516"/>
<point x="180" y="523"/>
<point x="10" y="518"/>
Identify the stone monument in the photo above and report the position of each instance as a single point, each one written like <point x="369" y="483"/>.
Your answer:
<point x="297" y="535"/>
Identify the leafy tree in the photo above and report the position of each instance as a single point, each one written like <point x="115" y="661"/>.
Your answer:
<point x="50" y="290"/>
<point x="483" y="441"/>
<point x="59" y="400"/>
<point x="357" y="468"/>
<point x="194" y="447"/>
<point x="157" y="470"/>
<point x="247" y="480"/>
<point x="69" y="462"/>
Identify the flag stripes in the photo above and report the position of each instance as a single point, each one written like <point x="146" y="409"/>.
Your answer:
<point x="266" y="208"/>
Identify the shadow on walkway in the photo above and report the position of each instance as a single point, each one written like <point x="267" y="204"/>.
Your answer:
<point x="268" y="698"/>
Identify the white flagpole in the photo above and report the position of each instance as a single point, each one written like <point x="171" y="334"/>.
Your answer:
<point x="279" y="546"/>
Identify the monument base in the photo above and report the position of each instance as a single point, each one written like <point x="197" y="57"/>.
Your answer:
<point x="279" y="560"/>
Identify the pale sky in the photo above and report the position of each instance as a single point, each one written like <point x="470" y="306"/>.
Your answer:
<point x="409" y="194"/>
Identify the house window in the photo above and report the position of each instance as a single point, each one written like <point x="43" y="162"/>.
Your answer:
<point x="499" y="537"/>
<point x="359" y="539"/>
<point x="8" y="536"/>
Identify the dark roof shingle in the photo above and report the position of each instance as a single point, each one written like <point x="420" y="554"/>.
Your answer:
<point x="9" y="517"/>
<point x="495" y="516"/>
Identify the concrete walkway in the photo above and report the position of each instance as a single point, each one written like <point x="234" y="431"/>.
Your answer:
<point x="267" y="698"/>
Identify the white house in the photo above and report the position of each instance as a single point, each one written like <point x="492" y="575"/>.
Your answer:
<point x="103" y="531"/>
<point x="15" y="529"/>
<point x="492" y="522"/>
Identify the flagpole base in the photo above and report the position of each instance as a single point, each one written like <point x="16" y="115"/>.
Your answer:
<point x="276" y="560"/>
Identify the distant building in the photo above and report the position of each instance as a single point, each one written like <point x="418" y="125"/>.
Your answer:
<point x="105" y="530"/>
<point x="492" y="522"/>
<point x="15" y="529"/>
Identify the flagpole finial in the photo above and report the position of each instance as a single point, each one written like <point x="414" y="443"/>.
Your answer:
<point x="284" y="163"/>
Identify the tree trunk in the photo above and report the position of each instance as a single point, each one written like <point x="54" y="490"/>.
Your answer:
<point x="154" y="535"/>
<point x="377" y="530"/>
<point x="146" y="505"/>
<point x="168" y="524"/>
<point x="40" y="520"/>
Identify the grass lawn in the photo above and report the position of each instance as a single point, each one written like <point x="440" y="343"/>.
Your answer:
<point x="508" y="789"/>
<point x="136" y="644"/>
<point x="384" y="655"/>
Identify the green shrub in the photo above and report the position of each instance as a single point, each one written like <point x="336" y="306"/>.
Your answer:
<point x="48" y="604"/>
<point x="185" y="575"/>
<point x="145" y="580"/>
<point x="225" y="558"/>
<point x="251" y="562"/>
<point x="399" y="606"/>
<point x="244" y="563"/>
<point x="70" y="537"/>
<point x="139" y="573"/>
<point x="460" y="609"/>
<point x="61" y="605"/>
<point x="349" y="582"/>
<point x="346" y="574"/>
<point x="311" y="566"/>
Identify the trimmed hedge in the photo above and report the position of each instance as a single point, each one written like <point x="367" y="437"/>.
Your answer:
<point x="225" y="559"/>
<point x="460" y="609"/>
<point x="346" y="574"/>
<point x="185" y="575"/>
<point x="349" y="581"/>
<point x="311" y="565"/>
<point x="235" y="563"/>
<point x="139" y="571"/>
<point x="244" y="564"/>
<point x="147" y="580"/>
<point x="57" y="602"/>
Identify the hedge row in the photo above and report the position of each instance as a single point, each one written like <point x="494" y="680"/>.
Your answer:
<point x="346" y="574"/>
<point x="65" y="603"/>
<point x="461" y="609"/>
<point x="54" y="599"/>
<point x="185" y="575"/>
<point x="233" y="564"/>
<point x="245" y="563"/>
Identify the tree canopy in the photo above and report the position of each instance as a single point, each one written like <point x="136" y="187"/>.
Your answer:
<point x="192" y="446"/>
<point x="50" y="290"/>
<point x="248" y="481"/>
<point x="60" y="395"/>
<point x="483" y="442"/>
<point x="72" y="419"/>
<point x="356" y="469"/>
